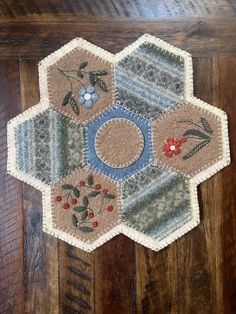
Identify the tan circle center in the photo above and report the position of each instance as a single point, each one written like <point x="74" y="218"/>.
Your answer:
<point x="119" y="143"/>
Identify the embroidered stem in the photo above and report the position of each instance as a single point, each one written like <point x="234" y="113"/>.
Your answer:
<point x="191" y="122"/>
<point x="86" y="212"/>
<point x="172" y="146"/>
<point x="87" y="95"/>
<point x="63" y="72"/>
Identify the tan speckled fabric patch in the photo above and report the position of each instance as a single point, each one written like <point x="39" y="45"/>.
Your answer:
<point x="173" y="126"/>
<point x="119" y="143"/>
<point x="59" y="86"/>
<point x="92" y="205"/>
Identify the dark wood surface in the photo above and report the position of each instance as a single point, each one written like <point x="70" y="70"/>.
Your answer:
<point x="40" y="274"/>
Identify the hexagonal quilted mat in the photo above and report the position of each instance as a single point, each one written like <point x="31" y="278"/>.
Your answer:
<point x="118" y="143"/>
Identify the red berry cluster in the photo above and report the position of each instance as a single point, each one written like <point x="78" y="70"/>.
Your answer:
<point x="73" y="201"/>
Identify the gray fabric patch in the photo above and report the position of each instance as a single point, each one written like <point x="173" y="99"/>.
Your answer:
<point x="150" y="80"/>
<point x="156" y="202"/>
<point x="49" y="146"/>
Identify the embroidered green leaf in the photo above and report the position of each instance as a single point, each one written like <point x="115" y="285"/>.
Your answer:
<point x="93" y="193"/>
<point x="92" y="79"/>
<point x="196" y="149"/>
<point x="85" y="229"/>
<point x="84" y="215"/>
<point x="90" y="180"/>
<point x="83" y="65"/>
<point x="85" y="201"/>
<point x="75" y="107"/>
<point x="196" y="133"/>
<point x="80" y="74"/>
<point x="79" y="209"/>
<point x="66" y="99"/>
<point x="206" y="125"/>
<point x="67" y="186"/>
<point x="74" y="220"/>
<point x="99" y="72"/>
<point x="76" y="192"/>
<point x="109" y="196"/>
<point x="102" y="84"/>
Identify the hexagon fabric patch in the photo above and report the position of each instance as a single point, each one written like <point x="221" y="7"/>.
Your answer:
<point x="126" y="146"/>
<point x="85" y="205"/>
<point x="49" y="146"/>
<point x="118" y="143"/>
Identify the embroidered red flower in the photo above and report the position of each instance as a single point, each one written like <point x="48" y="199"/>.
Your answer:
<point x="172" y="146"/>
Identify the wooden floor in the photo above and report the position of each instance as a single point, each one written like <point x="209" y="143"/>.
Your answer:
<point x="41" y="275"/>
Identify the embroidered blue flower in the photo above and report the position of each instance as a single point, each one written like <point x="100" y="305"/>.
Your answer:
<point x="87" y="96"/>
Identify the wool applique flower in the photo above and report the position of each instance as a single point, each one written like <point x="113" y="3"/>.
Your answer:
<point x="100" y="148"/>
<point x="87" y="96"/>
<point x="172" y="146"/>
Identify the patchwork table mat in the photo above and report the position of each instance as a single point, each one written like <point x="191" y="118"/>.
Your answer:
<point x="118" y="143"/>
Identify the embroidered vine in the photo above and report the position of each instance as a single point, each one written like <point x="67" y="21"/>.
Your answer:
<point x="84" y="216"/>
<point x="87" y="95"/>
<point x="202" y="133"/>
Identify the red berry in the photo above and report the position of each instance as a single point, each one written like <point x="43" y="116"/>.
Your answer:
<point x="73" y="201"/>
<point x="98" y="186"/>
<point x="109" y="208"/>
<point x="81" y="183"/>
<point x="95" y="224"/>
<point x="58" y="198"/>
<point x="66" y="205"/>
<point x="104" y="191"/>
<point x="90" y="214"/>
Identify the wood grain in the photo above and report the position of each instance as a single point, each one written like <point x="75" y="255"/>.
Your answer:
<point x="76" y="278"/>
<point x="144" y="8"/>
<point x="224" y="97"/>
<point x="39" y="274"/>
<point x="200" y="37"/>
<point x="11" y="209"/>
<point x="115" y="277"/>
<point x="40" y="249"/>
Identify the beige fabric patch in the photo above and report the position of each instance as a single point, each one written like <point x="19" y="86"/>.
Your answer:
<point x="170" y="127"/>
<point x="119" y="143"/>
<point x="58" y="85"/>
<point x="106" y="220"/>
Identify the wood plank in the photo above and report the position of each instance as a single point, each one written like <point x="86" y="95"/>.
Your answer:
<point x="186" y="277"/>
<point x="41" y="251"/>
<point x="144" y="8"/>
<point x="76" y="279"/>
<point x="156" y="280"/>
<point x="205" y="37"/>
<point x="224" y="97"/>
<point x="115" y="277"/>
<point x="11" y="232"/>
